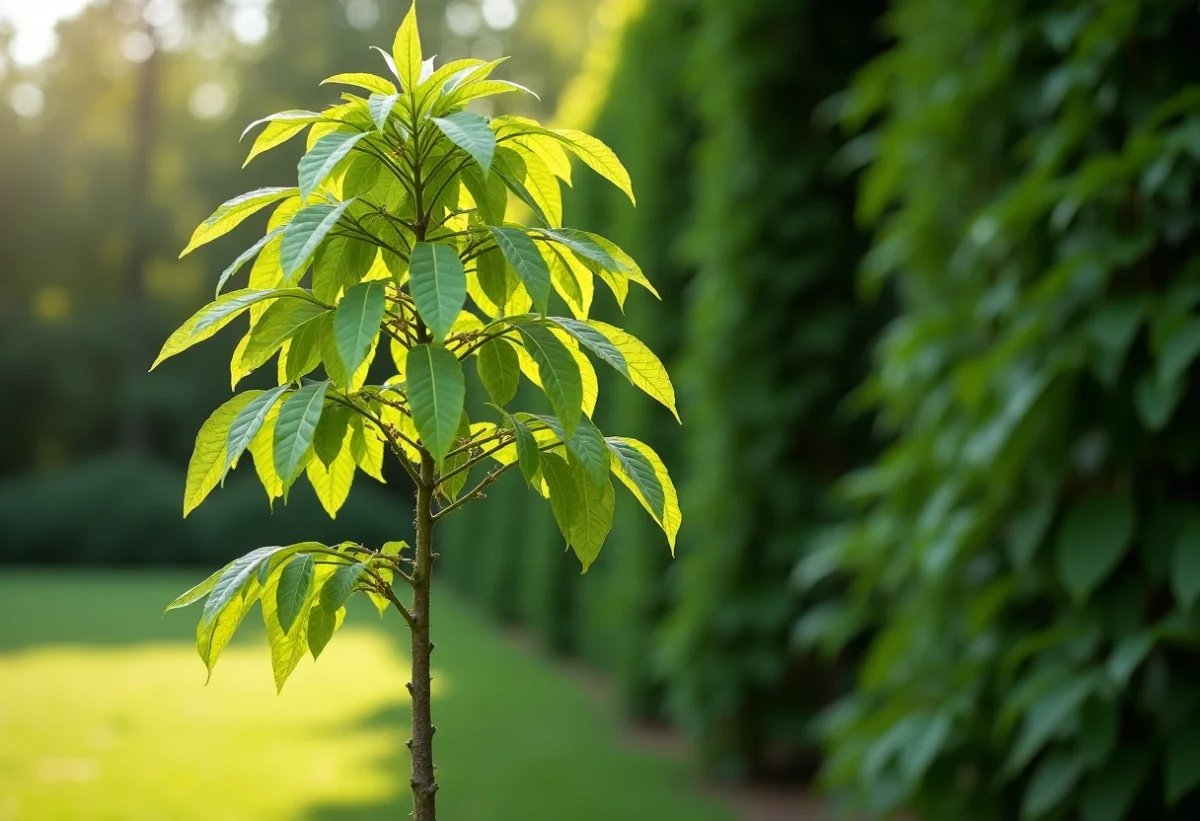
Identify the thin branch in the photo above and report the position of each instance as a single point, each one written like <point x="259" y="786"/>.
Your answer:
<point x="475" y="493"/>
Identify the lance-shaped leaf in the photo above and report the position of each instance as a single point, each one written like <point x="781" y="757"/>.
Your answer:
<point x="643" y="368"/>
<point x="438" y="284"/>
<point x="436" y="392"/>
<point x="249" y="422"/>
<point x="528" y="449"/>
<point x="235" y="577"/>
<point x="587" y="445"/>
<point x="356" y="323"/>
<point x="470" y="132"/>
<point x="306" y="231"/>
<point x="340" y="263"/>
<point x="583" y="511"/>
<point x="406" y="51"/>
<point x="499" y="370"/>
<point x="336" y="592"/>
<point x="582" y="244"/>
<point x="523" y="256"/>
<point x="321" y="626"/>
<point x="207" y="464"/>
<point x="195" y="594"/>
<point x="332" y="482"/>
<point x="331" y="432"/>
<point x="294" y="588"/>
<point x="599" y="157"/>
<point x="281" y="322"/>
<point x="368" y="82"/>
<point x="631" y="473"/>
<point x="596" y="342"/>
<point x="232" y="213"/>
<point x="247" y="255"/>
<point x="318" y="164"/>
<point x="214" y="316"/>
<point x="380" y="106"/>
<point x="512" y="171"/>
<point x="287" y="648"/>
<point x="294" y="116"/>
<point x="558" y="372"/>
<point x="294" y="429"/>
<point x="281" y="127"/>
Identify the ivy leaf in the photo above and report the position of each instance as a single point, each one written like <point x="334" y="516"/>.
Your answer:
<point x="436" y="393"/>
<point x="294" y="429"/>
<point x="356" y="322"/>
<point x="558" y="372"/>
<point x="233" y="213"/>
<point x="295" y="587"/>
<point x="207" y="464"/>
<point x="305" y="232"/>
<point x="438" y="283"/>
<point x="381" y="106"/>
<point x="249" y="422"/>
<point x="1094" y="536"/>
<point x="471" y="133"/>
<point x="1185" y="565"/>
<point x="316" y="166"/>
<point x="406" y="51"/>
<point x="499" y="370"/>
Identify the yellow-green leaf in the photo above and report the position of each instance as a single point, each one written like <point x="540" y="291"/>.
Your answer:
<point x="232" y="213"/>
<point x="207" y="464"/>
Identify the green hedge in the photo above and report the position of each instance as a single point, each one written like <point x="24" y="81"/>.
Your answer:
<point x="775" y="340"/>
<point x="1029" y="551"/>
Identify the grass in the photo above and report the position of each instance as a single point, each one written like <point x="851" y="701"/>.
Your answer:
<point x="104" y="715"/>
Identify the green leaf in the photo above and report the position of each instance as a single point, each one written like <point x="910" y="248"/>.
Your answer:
<point x="1183" y="761"/>
<point x="207" y="464"/>
<point x="490" y="195"/>
<point x="362" y="176"/>
<point x="599" y="157"/>
<point x="340" y="263"/>
<point x="330" y="434"/>
<point x="494" y="278"/>
<point x="295" y="587"/>
<point x="584" y="511"/>
<point x="356" y="322"/>
<point x="499" y="370"/>
<point x="643" y="368"/>
<point x="232" y="213"/>
<point x="305" y="232"/>
<point x="283" y="320"/>
<point x="1156" y="400"/>
<point x="1109" y="792"/>
<point x="438" y="283"/>
<point x="380" y="106"/>
<point x="332" y="482"/>
<point x="1054" y="778"/>
<point x="294" y="429"/>
<point x="406" y="51"/>
<point x="316" y="166"/>
<point x="214" y="316"/>
<point x="248" y="423"/>
<point x="511" y="169"/>
<point x="637" y="473"/>
<point x="1185" y="565"/>
<point x="587" y="444"/>
<point x="247" y="255"/>
<point x="369" y="82"/>
<point x="303" y="353"/>
<point x="287" y="648"/>
<point x="582" y="244"/>
<point x="559" y="374"/>
<point x="196" y="593"/>
<point x="1178" y="351"/>
<point x="596" y="342"/>
<point x="672" y="517"/>
<point x="337" y="590"/>
<point x="471" y="133"/>
<point x="528" y="452"/>
<point x="436" y="393"/>
<point x="235" y="577"/>
<point x="1095" y="535"/>
<point x="321" y="626"/>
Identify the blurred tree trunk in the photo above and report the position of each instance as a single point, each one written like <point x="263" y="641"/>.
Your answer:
<point x="134" y="423"/>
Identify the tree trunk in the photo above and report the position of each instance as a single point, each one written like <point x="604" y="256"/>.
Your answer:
<point x="424" y="782"/>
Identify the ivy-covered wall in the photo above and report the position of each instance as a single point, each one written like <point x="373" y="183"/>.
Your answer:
<point x="1029" y="545"/>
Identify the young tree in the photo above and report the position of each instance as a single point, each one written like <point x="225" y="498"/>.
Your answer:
<point x="400" y="217"/>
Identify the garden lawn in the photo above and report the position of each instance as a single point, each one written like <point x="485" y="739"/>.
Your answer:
<point x="104" y="714"/>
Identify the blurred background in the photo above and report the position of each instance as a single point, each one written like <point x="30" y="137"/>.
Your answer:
<point x="929" y="270"/>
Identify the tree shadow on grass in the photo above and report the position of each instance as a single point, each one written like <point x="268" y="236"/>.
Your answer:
<point x="393" y="720"/>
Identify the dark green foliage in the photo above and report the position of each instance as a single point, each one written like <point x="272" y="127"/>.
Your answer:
<point x="776" y="339"/>
<point x="1028" y="546"/>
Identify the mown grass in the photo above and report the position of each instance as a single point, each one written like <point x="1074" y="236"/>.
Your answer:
<point x="104" y="714"/>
